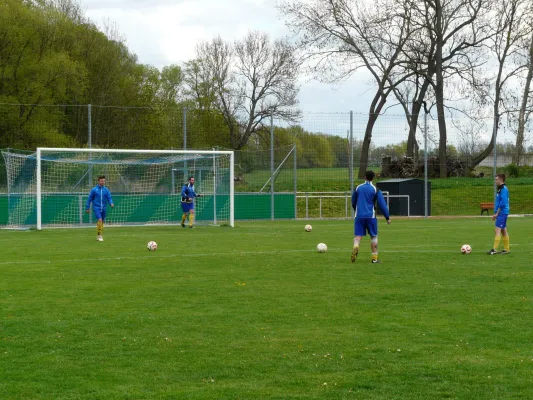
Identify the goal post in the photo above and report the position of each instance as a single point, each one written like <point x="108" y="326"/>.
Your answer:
<point x="50" y="187"/>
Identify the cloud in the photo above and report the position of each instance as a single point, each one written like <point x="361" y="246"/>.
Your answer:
<point x="162" y="32"/>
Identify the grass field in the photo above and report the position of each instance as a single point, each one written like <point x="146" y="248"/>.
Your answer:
<point x="254" y="312"/>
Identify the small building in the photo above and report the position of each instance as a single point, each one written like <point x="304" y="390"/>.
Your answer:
<point x="405" y="196"/>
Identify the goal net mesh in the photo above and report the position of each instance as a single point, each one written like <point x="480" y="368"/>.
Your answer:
<point x="145" y="187"/>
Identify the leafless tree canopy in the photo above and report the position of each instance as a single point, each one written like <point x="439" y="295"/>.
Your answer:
<point x="252" y="79"/>
<point x="438" y="51"/>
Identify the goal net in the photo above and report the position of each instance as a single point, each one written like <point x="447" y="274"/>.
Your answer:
<point x="50" y="187"/>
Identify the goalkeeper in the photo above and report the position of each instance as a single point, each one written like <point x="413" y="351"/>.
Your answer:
<point x="364" y="199"/>
<point x="99" y="196"/>
<point x="187" y="202"/>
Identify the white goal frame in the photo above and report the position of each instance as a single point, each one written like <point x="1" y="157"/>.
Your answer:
<point x="122" y="151"/>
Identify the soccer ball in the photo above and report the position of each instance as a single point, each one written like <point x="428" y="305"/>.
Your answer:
<point x="321" y="247"/>
<point x="466" y="249"/>
<point x="152" y="246"/>
<point x="308" y="228"/>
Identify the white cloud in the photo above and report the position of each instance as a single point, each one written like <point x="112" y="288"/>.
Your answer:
<point x="163" y="32"/>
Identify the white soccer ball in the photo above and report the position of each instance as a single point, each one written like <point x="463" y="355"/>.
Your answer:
<point x="308" y="228"/>
<point x="152" y="246"/>
<point x="321" y="247"/>
<point x="466" y="249"/>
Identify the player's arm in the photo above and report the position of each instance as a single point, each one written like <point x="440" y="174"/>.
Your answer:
<point x="354" y="199"/>
<point x="183" y="192"/>
<point x="109" y="198"/>
<point x="89" y="201"/>
<point x="383" y="205"/>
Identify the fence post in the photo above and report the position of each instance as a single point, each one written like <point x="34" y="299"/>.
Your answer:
<point x="494" y="159"/>
<point x="295" y="183"/>
<point x="272" y="167"/>
<point x="184" y="128"/>
<point x="426" y="205"/>
<point x="90" y="145"/>
<point x="426" y="200"/>
<point x="351" y="156"/>
<point x="185" y="168"/>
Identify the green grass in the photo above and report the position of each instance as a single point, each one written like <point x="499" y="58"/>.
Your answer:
<point x="253" y="312"/>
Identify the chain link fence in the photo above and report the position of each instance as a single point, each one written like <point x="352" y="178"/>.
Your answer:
<point x="302" y="169"/>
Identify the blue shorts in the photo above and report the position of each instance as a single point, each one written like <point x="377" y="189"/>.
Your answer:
<point x="501" y="221"/>
<point x="186" y="207"/>
<point x="100" y="214"/>
<point x="362" y="225"/>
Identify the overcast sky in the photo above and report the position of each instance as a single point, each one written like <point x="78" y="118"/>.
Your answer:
<point x="163" y="32"/>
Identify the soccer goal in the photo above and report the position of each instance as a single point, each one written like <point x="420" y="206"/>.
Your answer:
<point x="50" y="187"/>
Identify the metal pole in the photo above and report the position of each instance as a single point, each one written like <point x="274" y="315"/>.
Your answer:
<point x="272" y="167"/>
<point x="90" y="145"/>
<point x="38" y="189"/>
<point x="494" y="156"/>
<point x="185" y="172"/>
<point x="295" y="184"/>
<point x="214" y="190"/>
<point x="184" y="128"/>
<point x="426" y="205"/>
<point x="351" y="156"/>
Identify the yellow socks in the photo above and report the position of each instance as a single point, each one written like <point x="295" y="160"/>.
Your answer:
<point x="99" y="227"/>
<point x="374" y="256"/>
<point x="191" y="220"/>
<point x="183" y="218"/>
<point x="506" y="243"/>
<point x="496" y="242"/>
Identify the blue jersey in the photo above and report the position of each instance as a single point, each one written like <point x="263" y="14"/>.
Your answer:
<point x="100" y="196"/>
<point x="187" y="193"/>
<point x="502" y="200"/>
<point x="364" y="199"/>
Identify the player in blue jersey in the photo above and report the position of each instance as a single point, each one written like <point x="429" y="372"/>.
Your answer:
<point x="364" y="199"/>
<point x="501" y="211"/>
<point x="187" y="202"/>
<point x="99" y="196"/>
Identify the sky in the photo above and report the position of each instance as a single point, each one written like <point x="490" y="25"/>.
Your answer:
<point x="164" y="32"/>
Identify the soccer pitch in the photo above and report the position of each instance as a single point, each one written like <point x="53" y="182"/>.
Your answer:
<point x="254" y="312"/>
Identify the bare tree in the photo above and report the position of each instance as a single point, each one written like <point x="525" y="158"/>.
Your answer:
<point x="511" y="26"/>
<point x="526" y="106"/>
<point x="253" y="79"/>
<point x="343" y="36"/>
<point x="455" y="29"/>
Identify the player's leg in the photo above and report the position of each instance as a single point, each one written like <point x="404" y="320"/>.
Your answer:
<point x="497" y="237"/>
<point x="99" y="224"/>
<point x="191" y="216"/>
<point x="359" y="231"/>
<point x="103" y="214"/>
<point x="185" y="210"/>
<point x="505" y="236"/>
<point x="373" y="232"/>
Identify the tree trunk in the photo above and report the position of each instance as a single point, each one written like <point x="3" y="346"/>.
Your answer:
<point x="439" y="92"/>
<point x="413" y="120"/>
<point x="375" y="108"/>
<point x="523" y="107"/>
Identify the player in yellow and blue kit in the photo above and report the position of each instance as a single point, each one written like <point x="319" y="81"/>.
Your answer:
<point x="99" y="196"/>
<point x="364" y="199"/>
<point x="187" y="202"/>
<point x="501" y="211"/>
